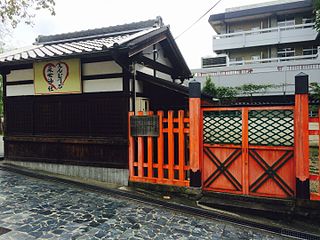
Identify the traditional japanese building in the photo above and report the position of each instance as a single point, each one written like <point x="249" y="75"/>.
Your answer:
<point x="67" y="96"/>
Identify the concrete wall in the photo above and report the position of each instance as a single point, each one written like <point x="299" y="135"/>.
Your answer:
<point x="109" y="175"/>
<point x="282" y="73"/>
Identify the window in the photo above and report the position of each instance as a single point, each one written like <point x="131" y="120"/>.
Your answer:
<point x="255" y="30"/>
<point x="310" y="50"/>
<point x="307" y="19"/>
<point x="236" y="61"/>
<point x="285" y="52"/>
<point x="285" y="21"/>
<point x="255" y="59"/>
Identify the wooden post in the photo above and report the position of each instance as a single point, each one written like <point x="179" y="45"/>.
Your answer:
<point x="140" y="152"/>
<point x="301" y="138"/>
<point x="160" y="143"/>
<point x="131" y="148"/>
<point x="319" y="153"/>
<point x="195" y="123"/>
<point x="150" y="152"/>
<point x="4" y="73"/>
<point x="170" y="146"/>
<point x="245" y="151"/>
<point x="181" y="145"/>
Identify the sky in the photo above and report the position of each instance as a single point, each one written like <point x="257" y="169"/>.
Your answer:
<point x="76" y="15"/>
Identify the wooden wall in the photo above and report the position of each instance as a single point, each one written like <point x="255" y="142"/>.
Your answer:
<point x="88" y="129"/>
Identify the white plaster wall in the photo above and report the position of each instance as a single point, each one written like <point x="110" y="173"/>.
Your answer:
<point x="149" y="71"/>
<point x="138" y="86"/>
<point x="163" y="76"/>
<point x="148" y="52"/>
<point x="103" y="85"/>
<point x="20" y="90"/>
<point x="20" y="75"/>
<point x="144" y="69"/>
<point x="105" y="67"/>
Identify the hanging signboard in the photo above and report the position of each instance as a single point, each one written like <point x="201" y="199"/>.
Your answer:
<point x="57" y="77"/>
<point x="144" y="126"/>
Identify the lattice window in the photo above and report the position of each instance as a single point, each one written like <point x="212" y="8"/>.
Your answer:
<point x="19" y="117"/>
<point x="224" y="127"/>
<point x="271" y="127"/>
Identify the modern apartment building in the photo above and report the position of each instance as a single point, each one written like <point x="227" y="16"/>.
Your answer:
<point x="266" y="43"/>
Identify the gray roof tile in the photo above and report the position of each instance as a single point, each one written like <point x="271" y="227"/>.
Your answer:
<point x="82" y="42"/>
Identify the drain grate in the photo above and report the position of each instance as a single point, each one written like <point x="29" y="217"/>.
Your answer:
<point x="4" y="230"/>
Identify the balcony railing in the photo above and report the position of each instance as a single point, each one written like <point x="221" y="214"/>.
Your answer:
<point x="274" y="60"/>
<point x="265" y="36"/>
<point x="262" y="66"/>
<point x="264" y="30"/>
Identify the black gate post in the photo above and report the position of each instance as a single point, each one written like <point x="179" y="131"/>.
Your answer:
<point x="301" y="136"/>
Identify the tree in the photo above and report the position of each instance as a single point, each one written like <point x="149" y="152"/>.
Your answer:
<point x="12" y="12"/>
<point x="315" y="95"/>
<point x="209" y="87"/>
<point x="315" y="90"/>
<point x="316" y="5"/>
<point x="222" y="93"/>
<point x="227" y="93"/>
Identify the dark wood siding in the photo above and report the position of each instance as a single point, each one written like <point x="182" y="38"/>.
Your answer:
<point x="84" y="129"/>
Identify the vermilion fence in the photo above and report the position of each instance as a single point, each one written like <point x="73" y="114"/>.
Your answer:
<point x="162" y="159"/>
<point x="315" y="176"/>
<point x="249" y="150"/>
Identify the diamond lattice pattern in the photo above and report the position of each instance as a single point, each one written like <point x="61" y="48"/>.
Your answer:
<point x="222" y="127"/>
<point x="271" y="127"/>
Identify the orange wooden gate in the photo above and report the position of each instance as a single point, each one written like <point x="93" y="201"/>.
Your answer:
<point x="249" y="150"/>
<point x="161" y="159"/>
<point x="315" y="176"/>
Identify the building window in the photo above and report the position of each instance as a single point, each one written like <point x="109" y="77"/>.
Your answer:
<point x="236" y="61"/>
<point x="255" y="59"/>
<point x="308" y="19"/>
<point x="285" y="21"/>
<point x="313" y="50"/>
<point x="285" y="52"/>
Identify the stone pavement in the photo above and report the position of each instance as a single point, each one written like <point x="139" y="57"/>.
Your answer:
<point x="37" y="209"/>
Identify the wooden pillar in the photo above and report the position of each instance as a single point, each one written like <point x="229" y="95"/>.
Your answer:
<point x="131" y="147"/>
<point x="301" y="138"/>
<point x="4" y="73"/>
<point x="195" y="150"/>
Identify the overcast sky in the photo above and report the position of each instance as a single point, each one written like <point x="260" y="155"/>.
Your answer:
<point x="75" y="15"/>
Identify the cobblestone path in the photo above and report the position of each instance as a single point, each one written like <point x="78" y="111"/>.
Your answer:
<point x="38" y="209"/>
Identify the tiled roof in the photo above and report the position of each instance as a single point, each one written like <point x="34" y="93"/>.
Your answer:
<point x="82" y="42"/>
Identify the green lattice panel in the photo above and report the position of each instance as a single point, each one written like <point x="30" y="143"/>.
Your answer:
<point x="271" y="127"/>
<point x="222" y="127"/>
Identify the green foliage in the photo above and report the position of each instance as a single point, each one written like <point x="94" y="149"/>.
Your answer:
<point x="315" y="95"/>
<point x="230" y="93"/>
<point x="227" y="93"/>
<point x="13" y="12"/>
<point x="250" y="89"/>
<point x="316" y="4"/>
<point x="315" y="90"/>
<point x="223" y="93"/>
<point x="209" y="87"/>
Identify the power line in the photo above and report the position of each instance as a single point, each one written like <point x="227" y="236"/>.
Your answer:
<point x="198" y="19"/>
